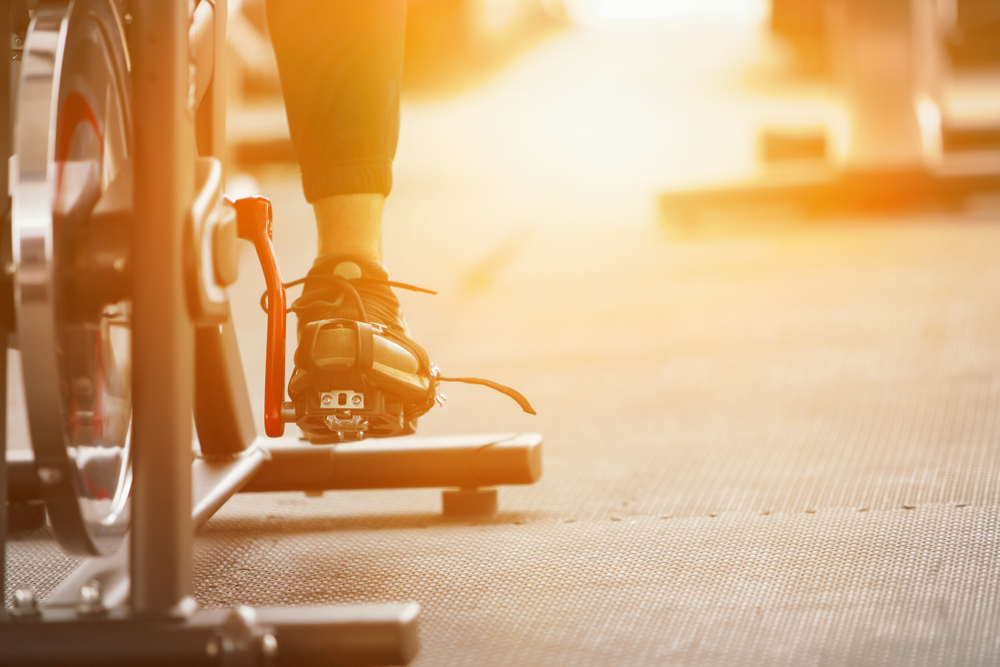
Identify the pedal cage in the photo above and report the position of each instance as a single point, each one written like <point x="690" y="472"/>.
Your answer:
<point x="343" y="414"/>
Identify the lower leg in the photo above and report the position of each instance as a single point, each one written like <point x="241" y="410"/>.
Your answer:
<point x="340" y="63"/>
<point x="350" y="225"/>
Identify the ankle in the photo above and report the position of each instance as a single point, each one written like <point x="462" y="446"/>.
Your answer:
<point x="350" y="225"/>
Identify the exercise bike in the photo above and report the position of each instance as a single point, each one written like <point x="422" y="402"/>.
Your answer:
<point x="121" y="249"/>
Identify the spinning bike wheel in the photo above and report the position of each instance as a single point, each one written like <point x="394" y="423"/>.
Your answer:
<point x="73" y="140"/>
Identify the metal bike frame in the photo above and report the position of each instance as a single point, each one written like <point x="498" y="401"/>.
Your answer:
<point x="146" y="615"/>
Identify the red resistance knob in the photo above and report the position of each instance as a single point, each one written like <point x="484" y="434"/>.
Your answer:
<point x="253" y="223"/>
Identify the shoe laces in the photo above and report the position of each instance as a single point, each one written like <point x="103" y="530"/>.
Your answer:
<point x="337" y="288"/>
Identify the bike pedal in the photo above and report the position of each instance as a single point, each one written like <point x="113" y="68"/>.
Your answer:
<point x="344" y="415"/>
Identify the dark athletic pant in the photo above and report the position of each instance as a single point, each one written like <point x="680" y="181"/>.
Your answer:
<point x="341" y="64"/>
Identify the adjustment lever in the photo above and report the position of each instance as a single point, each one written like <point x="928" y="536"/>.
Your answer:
<point x="253" y="223"/>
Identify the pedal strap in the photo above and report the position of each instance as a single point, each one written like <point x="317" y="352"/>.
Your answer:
<point x="364" y="357"/>
<point x="307" y="345"/>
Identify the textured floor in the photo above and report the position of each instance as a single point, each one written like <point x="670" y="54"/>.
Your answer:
<point x="775" y="447"/>
<point x="788" y="456"/>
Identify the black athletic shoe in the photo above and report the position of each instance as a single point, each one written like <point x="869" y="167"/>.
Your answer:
<point x="357" y="372"/>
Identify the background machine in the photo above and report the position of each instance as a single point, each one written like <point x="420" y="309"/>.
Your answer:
<point x="916" y="122"/>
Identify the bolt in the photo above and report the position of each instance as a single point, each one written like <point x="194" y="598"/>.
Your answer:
<point x="356" y="400"/>
<point x="269" y="645"/>
<point x="18" y="41"/>
<point x="25" y="603"/>
<point x="327" y="400"/>
<point x="24" y="597"/>
<point x="83" y="387"/>
<point x="50" y="476"/>
<point x="91" y="599"/>
<point x="90" y="592"/>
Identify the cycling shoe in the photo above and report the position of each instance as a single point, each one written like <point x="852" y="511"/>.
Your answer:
<point x="357" y="372"/>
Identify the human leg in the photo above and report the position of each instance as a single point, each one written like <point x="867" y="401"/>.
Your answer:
<point x="357" y="372"/>
<point x="340" y="63"/>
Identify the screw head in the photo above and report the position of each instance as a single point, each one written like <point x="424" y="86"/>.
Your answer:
<point x="25" y="604"/>
<point x="356" y="400"/>
<point x="90" y="592"/>
<point x="269" y="645"/>
<point x="91" y="599"/>
<point x="49" y="476"/>
<point x="327" y="400"/>
<point x="24" y="598"/>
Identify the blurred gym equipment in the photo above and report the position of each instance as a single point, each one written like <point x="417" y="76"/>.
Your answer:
<point x="919" y="125"/>
<point x="122" y="251"/>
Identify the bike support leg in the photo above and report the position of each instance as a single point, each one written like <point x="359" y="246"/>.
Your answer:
<point x="163" y="335"/>
<point x="6" y="283"/>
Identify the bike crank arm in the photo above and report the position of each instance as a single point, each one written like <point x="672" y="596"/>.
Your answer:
<point x="253" y="221"/>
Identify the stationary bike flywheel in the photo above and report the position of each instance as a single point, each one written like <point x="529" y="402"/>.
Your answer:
<point x="73" y="142"/>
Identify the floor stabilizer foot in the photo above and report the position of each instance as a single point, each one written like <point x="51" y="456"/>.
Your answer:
<point x="469" y="503"/>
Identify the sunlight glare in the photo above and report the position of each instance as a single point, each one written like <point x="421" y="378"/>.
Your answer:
<point x="597" y="10"/>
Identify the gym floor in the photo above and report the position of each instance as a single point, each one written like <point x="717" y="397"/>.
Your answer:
<point x="764" y="444"/>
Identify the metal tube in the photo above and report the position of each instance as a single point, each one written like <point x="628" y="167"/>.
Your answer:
<point x="202" y="38"/>
<point x="333" y="636"/>
<point x="291" y="465"/>
<point x="357" y="635"/>
<point x="6" y="286"/>
<point x="163" y="336"/>
<point x="111" y="572"/>
<point x="210" y="121"/>
<point x="215" y="482"/>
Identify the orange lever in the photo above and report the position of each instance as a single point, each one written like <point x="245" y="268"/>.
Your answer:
<point x="253" y="223"/>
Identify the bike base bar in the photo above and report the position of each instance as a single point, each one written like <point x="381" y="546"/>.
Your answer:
<point x="347" y="635"/>
<point x="288" y="464"/>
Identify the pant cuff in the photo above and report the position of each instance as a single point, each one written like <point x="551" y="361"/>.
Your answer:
<point x="347" y="179"/>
